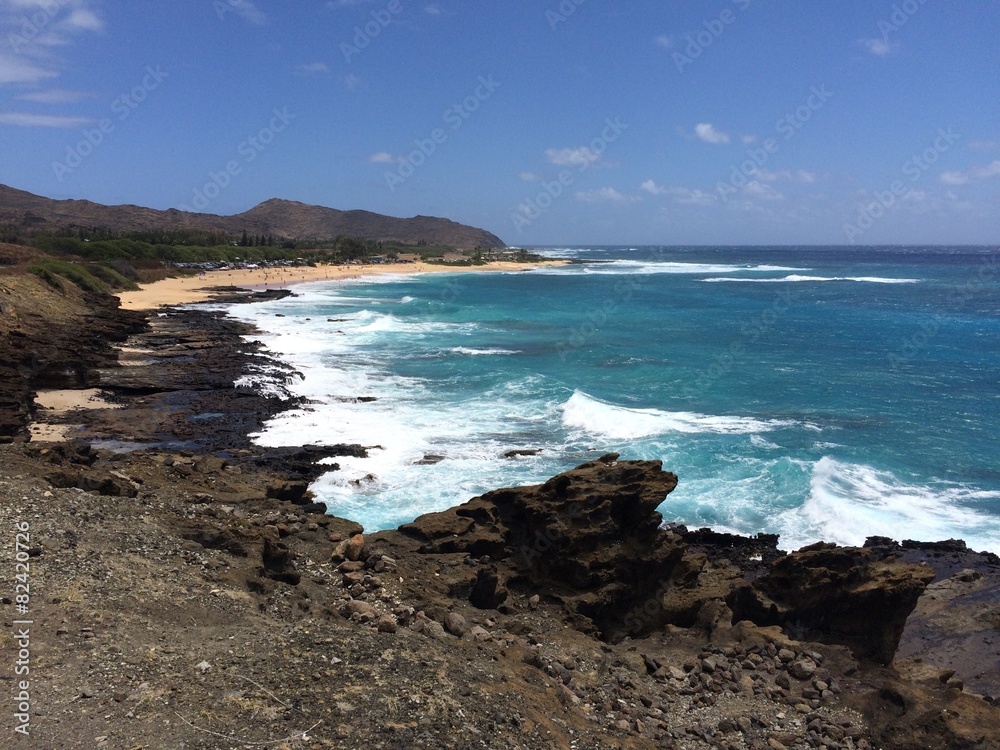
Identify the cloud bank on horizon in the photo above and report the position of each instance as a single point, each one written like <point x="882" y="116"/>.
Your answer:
<point x="565" y="121"/>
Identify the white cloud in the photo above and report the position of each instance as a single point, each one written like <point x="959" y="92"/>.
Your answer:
<point x="761" y="191"/>
<point x="879" y="47"/>
<point x="382" y="157"/>
<point x="664" y="41"/>
<point x="573" y="157"/>
<point x="652" y="188"/>
<point x="21" y="70"/>
<point x="28" y="120"/>
<point x="248" y="11"/>
<point x="352" y="82"/>
<point x="984" y="145"/>
<point x="84" y="19"/>
<point x="799" y="175"/>
<point x="313" y="68"/>
<point x="31" y="28"/>
<point x="606" y="195"/>
<point x="530" y="177"/>
<point x="433" y="9"/>
<point x="707" y="132"/>
<point x="55" y="96"/>
<point x="691" y="196"/>
<point x="748" y="139"/>
<point x="973" y="174"/>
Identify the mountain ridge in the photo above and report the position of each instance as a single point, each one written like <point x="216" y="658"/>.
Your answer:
<point x="276" y="216"/>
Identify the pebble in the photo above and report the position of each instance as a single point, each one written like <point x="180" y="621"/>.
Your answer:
<point x="387" y="624"/>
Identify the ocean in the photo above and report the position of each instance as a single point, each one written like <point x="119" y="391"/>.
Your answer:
<point x="819" y="393"/>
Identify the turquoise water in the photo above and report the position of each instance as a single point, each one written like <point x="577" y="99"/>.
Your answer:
<point x="818" y="393"/>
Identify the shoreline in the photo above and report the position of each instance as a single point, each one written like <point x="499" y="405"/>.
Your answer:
<point x="513" y="595"/>
<point x="182" y="290"/>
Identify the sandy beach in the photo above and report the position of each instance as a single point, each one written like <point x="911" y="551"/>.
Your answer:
<point x="187" y="289"/>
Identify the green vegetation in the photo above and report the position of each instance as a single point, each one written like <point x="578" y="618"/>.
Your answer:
<point x="90" y="277"/>
<point x="101" y="260"/>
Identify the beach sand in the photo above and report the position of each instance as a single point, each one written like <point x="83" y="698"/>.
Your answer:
<point x="57" y="404"/>
<point x="183" y="290"/>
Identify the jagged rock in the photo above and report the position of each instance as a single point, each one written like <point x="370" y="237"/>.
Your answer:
<point x="293" y="492"/>
<point x="910" y="715"/>
<point x="93" y="481"/>
<point x="521" y="452"/>
<point x="487" y="591"/>
<point x="277" y="561"/>
<point x="851" y="596"/>
<point x="590" y="534"/>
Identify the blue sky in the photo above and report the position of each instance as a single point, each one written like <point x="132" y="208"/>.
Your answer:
<point x="546" y="122"/>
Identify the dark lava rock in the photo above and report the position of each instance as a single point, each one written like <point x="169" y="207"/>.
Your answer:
<point x="849" y="596"/>
<point x="590" y="535"/>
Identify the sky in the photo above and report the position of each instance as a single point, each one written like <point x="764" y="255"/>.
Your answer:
<point x="547" y="122"/>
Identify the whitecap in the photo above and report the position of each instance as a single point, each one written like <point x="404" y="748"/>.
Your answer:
<point x="798" y="278"/>
<point x="849" y="502"/>
<point x="588" y="414"/>
<point x="474" y="352"/>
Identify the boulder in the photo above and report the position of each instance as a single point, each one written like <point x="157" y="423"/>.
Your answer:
<point x="455" y="624"/>
<point x="354" y="547"/>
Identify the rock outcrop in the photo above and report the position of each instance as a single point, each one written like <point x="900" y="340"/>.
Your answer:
<point x="591" y="540"/>
<point x="845" y="595"/>
<point x="52" y="339"/>
<point x="588" y="538"/>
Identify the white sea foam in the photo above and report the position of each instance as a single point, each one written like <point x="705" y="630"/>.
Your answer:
<point x="588" y="414"/>
<point x="849" y="502"/>
<point x="641" y="267"/>
<point x="798" y="278"/>
<point x="473" y="352"/>
<point x="761" y="442"/>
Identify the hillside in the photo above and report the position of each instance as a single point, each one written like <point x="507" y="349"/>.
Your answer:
<point x="21" y="210"/>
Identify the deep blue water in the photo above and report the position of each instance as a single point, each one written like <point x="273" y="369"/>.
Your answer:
<point x="819" y="393"/>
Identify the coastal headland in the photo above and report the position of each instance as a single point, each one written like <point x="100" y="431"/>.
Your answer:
<point x="186" y="589"/>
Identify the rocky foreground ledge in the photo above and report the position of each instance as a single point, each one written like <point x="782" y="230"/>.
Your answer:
<point x="191" y="593"/>
<point x="185" y="600"/>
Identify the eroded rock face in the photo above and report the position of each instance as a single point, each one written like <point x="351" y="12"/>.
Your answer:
<point x="852" y="596"/>
<point x="591" y="540"/>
